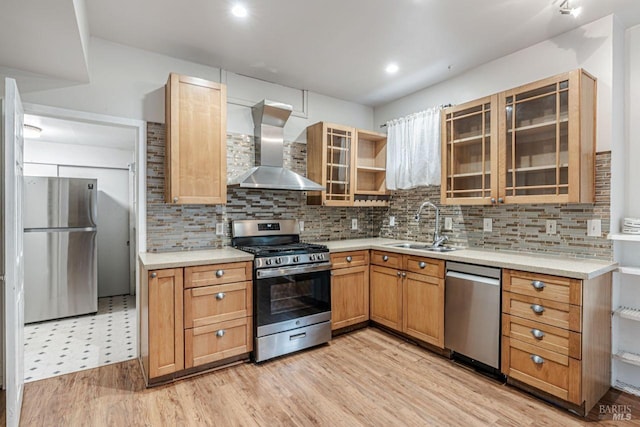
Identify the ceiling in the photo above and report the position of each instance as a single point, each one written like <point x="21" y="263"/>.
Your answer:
<point x="340" y="48"/>
<point x="80" y="133"/>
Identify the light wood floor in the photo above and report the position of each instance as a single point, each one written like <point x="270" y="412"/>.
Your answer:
<point x="367" y="378"/>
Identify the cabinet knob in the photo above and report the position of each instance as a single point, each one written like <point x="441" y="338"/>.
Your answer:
<point x="220" y="295"/>
<point x="422" y="264"/>
<point x="500" y="200"/>
<point x="404" y="274"/>
<point x="537" y="334"/>
<point x="537" y="308"/>
<point x="154" y="275"/>
<point x="538" y="285"/>
<point x="399" y="273"/>
<point x="349" y="259"/>
<point x="385" y="258"/>
<point x="175" y="200"/>
<point x="219" y="273"/>
<point x="331" y="273"/>
<point x="220" y="333"/>
<point x="493" y="200"/>
<point x="537" y="359"/>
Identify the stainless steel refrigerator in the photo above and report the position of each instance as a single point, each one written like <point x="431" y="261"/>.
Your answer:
<point x="60" y="252"/>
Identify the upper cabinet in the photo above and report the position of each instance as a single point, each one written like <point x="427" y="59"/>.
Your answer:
<point x="350" y="163"/>
<point x="196" y="152"/>
<point x="531" y="144"/>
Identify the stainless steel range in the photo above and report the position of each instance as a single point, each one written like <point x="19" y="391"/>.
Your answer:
<point x="292" y="287"/>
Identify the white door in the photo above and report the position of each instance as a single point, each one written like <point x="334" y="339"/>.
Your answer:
<point x="113" y="226"/>
<point x="13" y="268"/>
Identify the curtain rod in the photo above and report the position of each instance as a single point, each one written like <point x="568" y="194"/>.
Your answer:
<point x="384" y="125"/>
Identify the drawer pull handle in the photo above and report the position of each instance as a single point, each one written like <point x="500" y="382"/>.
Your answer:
<point x="537" y="334"/>
<point x="422" y="264"/>
<point x="537" y="308"/>
<point x="538" y="285"/>
<point x="385" y="258"/>
<point x="349" y="259"/>
<point x="154" y="275"/>
<point x="220" y="333"/>
<point x="220" y="295"/>
<point x="219" y="273"/>
<point x="297" y="336"/>
<point x="537" y="359"/>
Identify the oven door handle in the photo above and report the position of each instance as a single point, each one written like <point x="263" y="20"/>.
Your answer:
<point x="288" y="271"/>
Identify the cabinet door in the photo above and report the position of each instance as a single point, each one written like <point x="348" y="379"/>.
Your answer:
<point x="469" y="153"/>
<point x="385" y="288"/>
<point x="330" y="161"/>
<point x="349" y="296"/>
<point x="196" y="159"/>
<point x="423" y="311"/>
<point x="547" y="140"/>
<point x="166" y="330"/>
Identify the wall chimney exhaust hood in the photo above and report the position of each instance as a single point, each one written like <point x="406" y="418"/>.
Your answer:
<point x="269" y="118"/>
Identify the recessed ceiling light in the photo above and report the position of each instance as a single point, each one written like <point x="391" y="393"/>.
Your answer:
<point x="240" y="11"/>
<point x="31" y="131"/>
<point x="392" y="68"/>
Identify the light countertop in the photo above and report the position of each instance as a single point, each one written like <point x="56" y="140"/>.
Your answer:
<point x="157" y="260"/>
<point x="535" y="263"/>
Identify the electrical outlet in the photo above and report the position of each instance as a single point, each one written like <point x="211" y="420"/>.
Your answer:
<point x="594" y="227"/>
<point x="488" y="225"/>
<point x="551" y="226"/>
<point x="301" y="225"/>
<point x="219" y="228"/>
<point x="354" y="223"/>
<point x="392" y="221"/>
<point x="448" y="223"/>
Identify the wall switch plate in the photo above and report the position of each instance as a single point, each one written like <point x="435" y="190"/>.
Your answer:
<point x="594" y="227"/>
<point x="448" y="223"/>
<point x="354" y="223"/>
<point x="552" y="226"/>
<point x="488" y="225"/>
<point x="392" y="221"/>
<point x="301" y="225"/>
<point x="219" y="228"/>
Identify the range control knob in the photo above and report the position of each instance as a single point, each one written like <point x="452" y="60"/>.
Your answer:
<point x="320" y="256"/>
<point x="296" y="258"/>
<point x="312" y="257"/>
<point x="278" y="260"/>
<point x="268" y="261"/>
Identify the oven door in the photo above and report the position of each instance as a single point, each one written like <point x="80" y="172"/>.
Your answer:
<point x="292" y="297"/>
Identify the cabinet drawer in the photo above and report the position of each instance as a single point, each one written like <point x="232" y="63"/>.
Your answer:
<point x="386" y="259"/>
<point x="560" y="289"/>
<point x="558" y="340"/>
<point x="349" y="259"/>
<point x="545" y="370"/>
<point x="212" y="304"/>
<point x="427" y="266"/>
<point x="219" y="341"/>
<point x="218" y="274"/>
<point x="561" y="315"/>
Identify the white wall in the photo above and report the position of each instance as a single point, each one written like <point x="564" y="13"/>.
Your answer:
<point x="128" y="82"/>
<point x="75" y="155"/>
<point x="632" y="206"/>
<point x="589" y="47"/>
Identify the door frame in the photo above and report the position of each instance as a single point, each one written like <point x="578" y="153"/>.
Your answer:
<point x="140" y="177"/>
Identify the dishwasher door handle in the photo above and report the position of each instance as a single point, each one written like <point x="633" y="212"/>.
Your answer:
<point x="473" y="278"/>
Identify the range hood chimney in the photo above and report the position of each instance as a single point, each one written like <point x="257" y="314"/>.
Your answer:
<point x="269" y="118"/>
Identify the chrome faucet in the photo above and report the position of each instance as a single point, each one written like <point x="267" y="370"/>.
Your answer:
<point x="438" y="240"/>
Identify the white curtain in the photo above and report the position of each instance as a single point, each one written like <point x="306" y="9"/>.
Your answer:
<point x="413" y="150"/>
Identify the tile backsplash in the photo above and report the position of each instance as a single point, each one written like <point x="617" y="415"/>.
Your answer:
<point x="515" y="227"/>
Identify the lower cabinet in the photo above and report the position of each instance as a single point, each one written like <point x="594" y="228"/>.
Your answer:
<point x="349" y="289"/>
<point x="410" y="297"/>
<point x="195" y="316"/>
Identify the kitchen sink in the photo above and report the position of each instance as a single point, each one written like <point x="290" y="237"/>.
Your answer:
<point x="423" y="247"/>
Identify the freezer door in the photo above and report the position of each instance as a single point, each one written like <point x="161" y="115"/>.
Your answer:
<point x="60" y="274"/>
<point x="59" y="202"/>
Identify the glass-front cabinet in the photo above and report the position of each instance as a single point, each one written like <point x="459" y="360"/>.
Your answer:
<point x="544" y="150"/>
<point x="468" y="147"/>
<point x="329" y="161"/>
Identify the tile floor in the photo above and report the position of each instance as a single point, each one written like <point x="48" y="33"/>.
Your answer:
<point x="78" y="343"/>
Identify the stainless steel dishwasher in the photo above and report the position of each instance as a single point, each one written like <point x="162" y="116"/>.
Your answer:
<point x="472" y="314"/>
